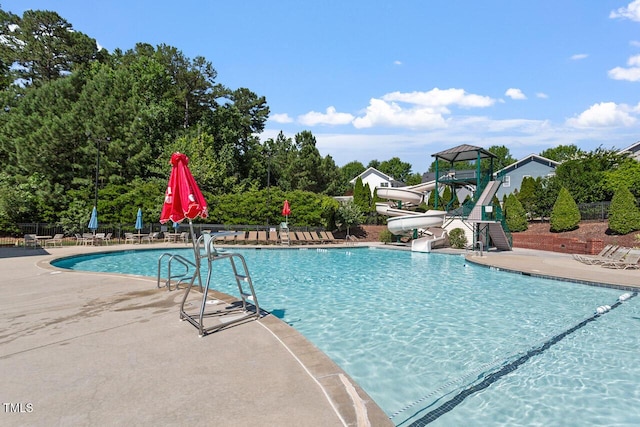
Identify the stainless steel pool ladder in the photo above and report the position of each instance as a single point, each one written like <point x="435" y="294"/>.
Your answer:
<point x="183" y="277"/>
<point x="224" y="314"/>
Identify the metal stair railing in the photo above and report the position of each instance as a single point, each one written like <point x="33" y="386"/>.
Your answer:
<point x="226" y="314"/>
<point x="182" y="278"/>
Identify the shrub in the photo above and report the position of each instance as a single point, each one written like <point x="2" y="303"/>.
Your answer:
<point x="515" y="214"/>
<point x="565" y="215"/>
<point x="458" y="238"/>
<point x="386" y="236"/>
<point x="624" y="216"/>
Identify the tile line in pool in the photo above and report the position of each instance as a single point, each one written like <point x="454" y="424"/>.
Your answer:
<point x="508" y="366"/>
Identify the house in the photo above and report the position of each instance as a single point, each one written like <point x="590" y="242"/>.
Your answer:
<point x="533" y="166"/>
<point x="375" y="178"/>
<point x="633" y="150"/>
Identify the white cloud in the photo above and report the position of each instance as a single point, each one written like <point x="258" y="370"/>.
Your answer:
<point x="396" y="62"/>
<point x="579" y="56"/>
<point x="382" y="113"/>
<point x="281" y="118"/>
<point x="331" y="117"/>
<point x="424" y="109"/>
<point x="632" y="73"/>
<point x="514" y="93"/>
<point x="632" y="12"/>
<point x="542" y="95"/>
<point x="604" y="114"/>
<point x="441" y="98"/>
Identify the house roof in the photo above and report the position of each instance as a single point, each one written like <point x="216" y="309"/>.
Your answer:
<point x="464" y="152"/>
<point x="374" y="171"/>
<point x="525" y="160"/>
<point x="635" y="147"/>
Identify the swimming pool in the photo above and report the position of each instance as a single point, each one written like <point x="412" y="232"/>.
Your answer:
<point x="416" y="330"/>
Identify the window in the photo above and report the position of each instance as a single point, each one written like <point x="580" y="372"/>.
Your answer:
<point x="506" y="181"/>
<point x="384" y="184"/>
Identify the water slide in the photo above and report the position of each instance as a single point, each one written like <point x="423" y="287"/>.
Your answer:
<point x="402" y="221"/>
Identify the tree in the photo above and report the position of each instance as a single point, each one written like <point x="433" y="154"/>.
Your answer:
<point x="624" y="215"/>
<point x="351" y="170"/>
<point x="626" y="174"/>
<point x="307" y="163"/>
<point x="348" y="215"/>
<point x="515" y="214"/>
<point x="46" y="47"/>
<point x="359" y="196"/>
<point x="562" y="153"/>
<point x="547" y="195"/>
<point x="502" y="160"/>
<point x="528" y="195"/>
<point x="413" y="179"/>
<point x="565" y="215"/>
<point x="585" y="176"/>
<point x="396" y="168"/>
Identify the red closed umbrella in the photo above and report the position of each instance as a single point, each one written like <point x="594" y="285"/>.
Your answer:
<point x="183" y="199"/>
<point x="286" y="210"/>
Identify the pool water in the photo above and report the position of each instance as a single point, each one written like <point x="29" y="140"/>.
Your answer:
<point x="414" y="330"/>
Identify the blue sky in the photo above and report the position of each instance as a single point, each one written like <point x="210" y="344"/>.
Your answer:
<point x="405" y="78"/>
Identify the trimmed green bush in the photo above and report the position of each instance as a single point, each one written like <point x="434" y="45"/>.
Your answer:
<point x="624" y="216"/>
<point x="515" y="214"/>
<point x="565" y="215"/>
<point x="386" y="236"/>
<point x="457" y="238"/>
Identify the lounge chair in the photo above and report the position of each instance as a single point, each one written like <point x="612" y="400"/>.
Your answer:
<point x="154" y="236"/>
<point x="242" y="237"/>
<point x="315" y="238"/>
<point x="55" y="241"/>
<point x="262" y="237"/>
<point x="253" y="238"/>
<point x="325" y="237"/>
<point x="293" y="237"/>
<point x="107" y="238"/>
<point x="614" y="253"/>
<point x="304" y="238"/>
<point x="603" y="252"/>
<point x="273" y="237"/>
<point x="231" y="238"/>
<point x="630" y="260"/>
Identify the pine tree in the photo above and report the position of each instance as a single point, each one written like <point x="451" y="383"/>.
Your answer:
<point x="565" y="215"/>
<point x="624" y="215"/>
<point x="515" y="214"/>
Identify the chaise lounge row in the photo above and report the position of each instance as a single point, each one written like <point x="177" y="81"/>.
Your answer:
<point x="273" y="237"/>
<point x="613" y="256"/>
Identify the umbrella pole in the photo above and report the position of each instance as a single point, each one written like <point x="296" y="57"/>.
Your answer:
<point x="196" y="253"/>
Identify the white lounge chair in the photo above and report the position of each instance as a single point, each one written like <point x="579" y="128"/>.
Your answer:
<point x="55" y="241"/>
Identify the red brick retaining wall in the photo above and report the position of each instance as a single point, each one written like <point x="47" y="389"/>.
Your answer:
<point x="549" y="242"/>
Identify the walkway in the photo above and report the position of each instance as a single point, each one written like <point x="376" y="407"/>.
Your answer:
<point x="557" y="265"/>
<point x="82" y="348"/>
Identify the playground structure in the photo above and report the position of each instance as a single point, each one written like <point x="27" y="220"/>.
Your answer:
<point x="481" y="219"/>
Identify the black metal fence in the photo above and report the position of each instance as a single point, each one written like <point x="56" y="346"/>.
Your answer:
<point x="598" y="211"/>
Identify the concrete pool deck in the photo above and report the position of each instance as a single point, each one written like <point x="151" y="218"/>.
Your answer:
<point x="80" y="348"/>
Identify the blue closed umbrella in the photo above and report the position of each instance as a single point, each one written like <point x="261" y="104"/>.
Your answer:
<point x="139" y="220"/>
<point x="93" y="222"/>
<point x="176" y="225"/>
